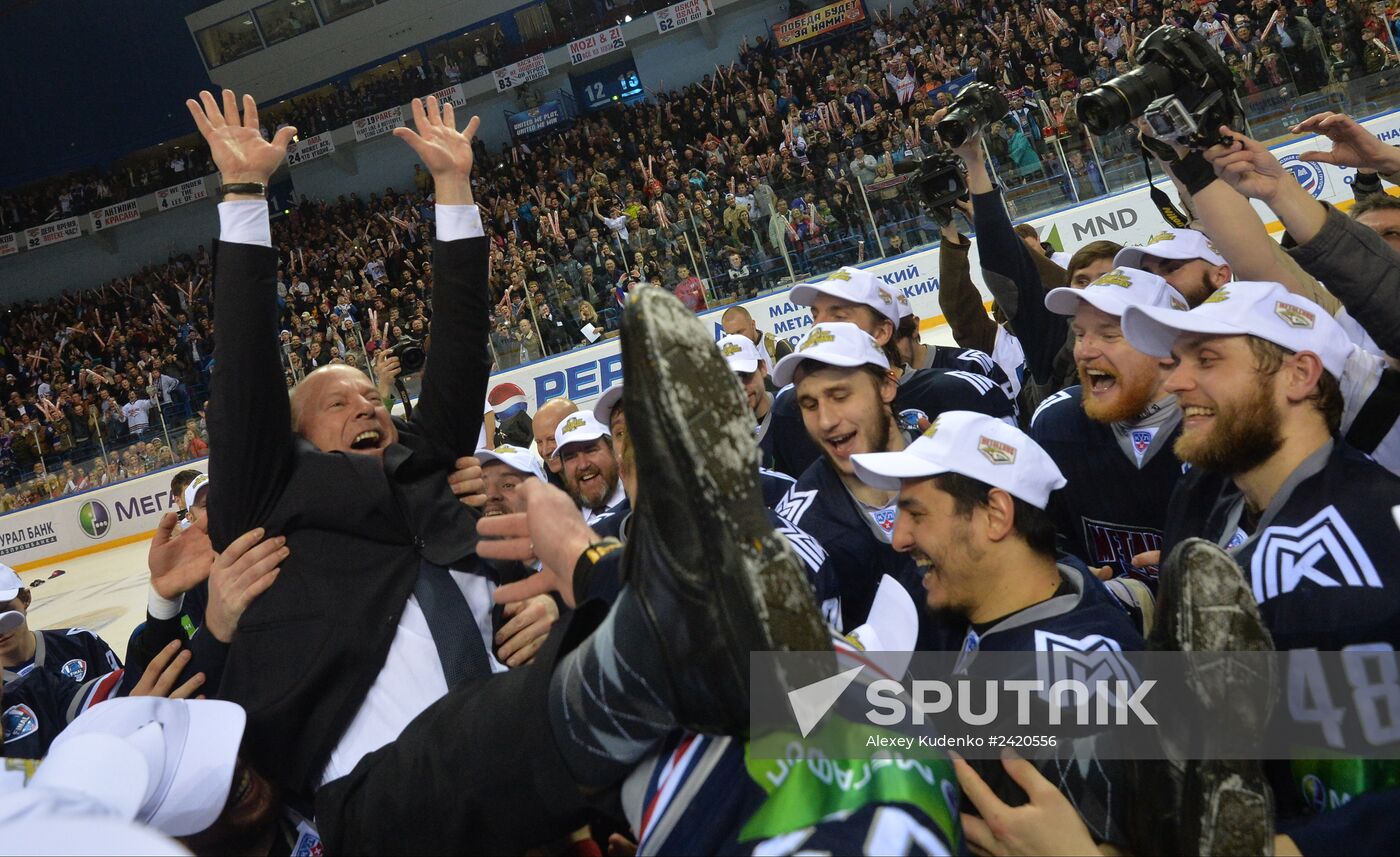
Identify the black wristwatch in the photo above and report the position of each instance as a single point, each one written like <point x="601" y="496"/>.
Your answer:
<point x="257" y="188"/>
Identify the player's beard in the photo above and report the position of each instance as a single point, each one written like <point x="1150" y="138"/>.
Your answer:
<point x="1133" y="392"/>
<point x="876" y="430"/>
<point x="1243" y="436"/>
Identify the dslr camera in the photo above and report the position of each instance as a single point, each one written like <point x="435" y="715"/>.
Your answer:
<point x="939" y="179"/>
<point x="411" y="355"/>
<point x="974" y="110"/>
<point x="1181" y="87"/>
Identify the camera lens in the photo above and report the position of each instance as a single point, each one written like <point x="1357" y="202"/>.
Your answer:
<point x="955" y="128"/>
<point x="1124" y="98"/>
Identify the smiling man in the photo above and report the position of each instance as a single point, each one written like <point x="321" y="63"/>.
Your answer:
<point x="1185" y="258"/>
<point x="76" y="653"/>
<point x="843" y="387"/>
<point x="973" y="493"/>
<point x="589" y="465"/>
<point x="1112" y="434"/>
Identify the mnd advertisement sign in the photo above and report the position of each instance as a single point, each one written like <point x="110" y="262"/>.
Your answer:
<point x="596" y="45"/>
<point x="523" y="71"/>
<point x="680" y="14"/>
<point x="310" y="149"/>
<point x="818" y="22"/>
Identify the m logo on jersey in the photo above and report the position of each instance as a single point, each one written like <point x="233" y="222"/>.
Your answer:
<point x="19" y="722"/>
<point x="1294" y="316"/>
<point x="573" y="424"/>
<point x="995" y="451"/>
<point x="75" y="669"/>
<point x="1322" y="551"/>
<point x="1090" y="660"/>
<point x="795" y="504"/>
<point x="816" y="337"/>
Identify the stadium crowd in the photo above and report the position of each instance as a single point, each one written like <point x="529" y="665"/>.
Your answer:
<point x="414" y="637"/>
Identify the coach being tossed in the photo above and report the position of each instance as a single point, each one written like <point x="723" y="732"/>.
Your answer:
<point x="365" y="626"/>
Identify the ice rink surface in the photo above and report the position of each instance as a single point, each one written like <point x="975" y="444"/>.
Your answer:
<point x="104" y="593"/>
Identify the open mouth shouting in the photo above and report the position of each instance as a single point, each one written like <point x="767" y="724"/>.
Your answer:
<point x="842" y="445"/>
<point x="1099" y="382"/>
<point x="367" y="440"/>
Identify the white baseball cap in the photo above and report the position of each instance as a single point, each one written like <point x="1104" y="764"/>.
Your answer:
<point x="603" y="408"/>
<point x="197" y="484"/>
<point x="513" y="457"/>
<point x="853" y="285"/>
<point x="835" y="343"/>
<point x="581" y="427"/>
<point x="1171" y="244"/>
<point x="903" y="308"/>
<point x="740" y="353"/>
<point x="189" y="748"/>
<point x="1116" y="291"/>
<point x="10" y="584"/>
<point x="974" y="445"/>
<point x="1244" y="308"/>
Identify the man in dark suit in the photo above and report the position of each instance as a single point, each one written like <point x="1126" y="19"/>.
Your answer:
<point x="382" y="605"/>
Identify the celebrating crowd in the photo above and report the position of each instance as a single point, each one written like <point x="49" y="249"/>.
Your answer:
<point x="414" y="636"/>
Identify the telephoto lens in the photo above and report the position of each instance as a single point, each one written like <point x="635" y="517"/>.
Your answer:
<point x="1124" y="98"/>
<point x="977" y="106"/>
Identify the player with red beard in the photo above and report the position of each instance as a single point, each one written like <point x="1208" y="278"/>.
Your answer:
<point x="1112" y="434"/>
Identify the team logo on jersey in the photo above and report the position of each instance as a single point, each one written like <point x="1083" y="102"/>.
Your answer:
<point x="1090" y="660"/>
<point x="19" y="721"/>
<point x="1310" y="175"/>
<point x="971" y="643"/>
<point x="75" y="669"/>
<point x="1141" y="441"/>
<point x="93" y="519"/>
<point x="729" y="349"/>
<point x="573" y="424"/>
<point x="1294" y="316"/>
<point x="1116" y="277"/>
<point x="1217" y="296"/>
<point x="911" y="418"/>
<point x="816" y="337"/>
<point x="884" y="519"/>
<point x="795" y="504"/>
<point x="1237" y="539"/>
<point x="1322" y="551"/>
<point x="995" y="451"/>
<point x="1314" y="792"/>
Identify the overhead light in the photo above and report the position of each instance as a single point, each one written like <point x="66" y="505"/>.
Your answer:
<point x="627" y="19"/>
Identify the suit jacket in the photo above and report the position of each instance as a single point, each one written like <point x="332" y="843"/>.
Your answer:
<point x="357" y="526"/>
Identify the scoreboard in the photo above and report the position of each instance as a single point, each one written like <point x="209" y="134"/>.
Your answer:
<point x="614" y="84"/>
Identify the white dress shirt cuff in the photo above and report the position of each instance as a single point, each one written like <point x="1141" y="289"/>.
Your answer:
<point x="245" y="221"/>
<point x="455" y="222"/>
<point x="165" y="608"/>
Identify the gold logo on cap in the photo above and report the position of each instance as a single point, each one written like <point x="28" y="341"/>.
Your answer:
<point x="902" y="298"/>
<point x="573" y="423"/>
<point x="1116" y="277"/>
<point x="1178" y="303"/>
<point x="1294" y="316"/>
<point x="995" y="451"/>
<point x="817" y="337"/>
<point x="933" y="427"/>
<point x="840" y="274"/>
<point x="729" y="349"/>
<point x="884" y="296"/>
<point x="505" y="449"/>
<point x="1217" y="296"/>
<point x="1160" y="237"/>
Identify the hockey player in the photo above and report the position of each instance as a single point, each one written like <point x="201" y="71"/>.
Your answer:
<point x="73" y="652"/>
<point x="973" y="494"/>
<point x="1112" y="434"/>
<point x="1257" y="377"/>
<point x="1185" y="258"/>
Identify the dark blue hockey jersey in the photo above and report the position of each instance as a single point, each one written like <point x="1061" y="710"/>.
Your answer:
<point x="1081" y="618"/>
<point x="73" y="652"/>
<point x="1109" y="510"/>
<point x="1321" y="563"/>
<point x="955" y="358"/>
<point x="40" y="704"/>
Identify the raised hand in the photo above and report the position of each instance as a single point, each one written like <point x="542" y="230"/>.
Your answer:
<point x="1249" y="167"/>
<point x="1352" y="145"/>
<point x="179" y="563"/>
<point x="236" y="144"/>
<point x="445" y="151"/>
